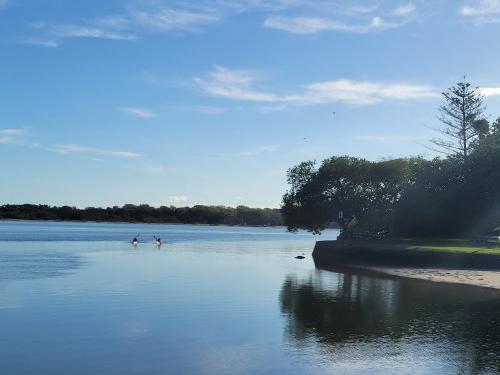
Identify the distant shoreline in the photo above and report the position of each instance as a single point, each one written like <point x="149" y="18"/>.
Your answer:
<point x="143" y="213"/>
<point x="143" y="222"/>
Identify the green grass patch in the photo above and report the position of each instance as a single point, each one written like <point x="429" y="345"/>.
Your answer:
<point x="441" y="244"/>
<point x="461" y="249"/>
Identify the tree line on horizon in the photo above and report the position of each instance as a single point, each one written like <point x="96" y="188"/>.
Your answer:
<point x="212" y="215"/>
<point x="457" y="194"/>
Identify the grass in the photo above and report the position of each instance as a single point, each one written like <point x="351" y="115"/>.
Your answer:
<point x="440" y="244"/>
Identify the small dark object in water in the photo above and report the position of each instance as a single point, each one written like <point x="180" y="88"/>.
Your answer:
<point x="300" y="257"/>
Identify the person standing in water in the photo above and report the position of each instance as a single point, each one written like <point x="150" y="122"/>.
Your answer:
<point x="157" y="241"/>
<point x="135" y="240"/>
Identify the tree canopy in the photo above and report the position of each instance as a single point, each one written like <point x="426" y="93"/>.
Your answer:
<point x="408" y="196"/>
<point x="462" y="120"/>
<point x="144" y="213"/>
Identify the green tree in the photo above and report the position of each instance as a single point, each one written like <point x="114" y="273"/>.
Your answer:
<point x="462" y="109"/>
<point x="355" y="186"/>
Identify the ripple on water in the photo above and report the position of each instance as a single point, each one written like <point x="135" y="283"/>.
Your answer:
<point x="36" y="265"/>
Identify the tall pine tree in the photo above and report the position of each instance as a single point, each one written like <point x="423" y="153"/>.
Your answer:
<point x="462" y="109"/>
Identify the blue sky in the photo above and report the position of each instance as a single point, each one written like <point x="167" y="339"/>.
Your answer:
<point x="211" y="101"/>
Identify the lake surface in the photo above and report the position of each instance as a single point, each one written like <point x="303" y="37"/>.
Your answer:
<point x="77" y="298"/>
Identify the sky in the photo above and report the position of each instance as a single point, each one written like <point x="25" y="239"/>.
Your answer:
<point x="169" y="102"/>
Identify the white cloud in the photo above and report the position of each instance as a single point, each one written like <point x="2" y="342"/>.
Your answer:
<point x="51" y="35"/>
<point x="404" y="10"/>
<point x="482" y="11"/>
<point x="13" y="136"/>
<point x="14" y="132"/>
<point x="481" y="8"/>
<point x="490" y="91"/>
<point x="177" y="199"/>
<point x="232" y="84"/>
<point x="302" y="25"/>
<point x="21" y="137"/>
<point x="356" y="10"/>
<point x="78" y="31"/>
<point x="138" y="112"/>
<point x="114" y="22"/>
<point x="363" y="93"/>
<point x="164" y="18"/>
<point x="3" y="4"/>
<point x="238" y="85"/>
<point x="353" y="19"/>
<point x="136" y="19"/>
<point x="39" y="42"/>
<point x="77" y="149"/>
<point x="295" y="16"/>
<point x="310" y="25"/>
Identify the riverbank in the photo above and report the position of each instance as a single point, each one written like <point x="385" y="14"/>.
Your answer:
<point x="481" y="278"/>
<point x="449" y="261"/>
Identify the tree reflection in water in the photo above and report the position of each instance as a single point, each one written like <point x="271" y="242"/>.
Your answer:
<point x="348" y="316"/>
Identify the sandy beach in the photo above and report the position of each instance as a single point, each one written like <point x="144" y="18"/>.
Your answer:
<point x="480" y="278"/>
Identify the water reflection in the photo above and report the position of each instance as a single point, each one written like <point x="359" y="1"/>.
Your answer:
<point x="19" y="265"/>
<point x="457" y="327"/>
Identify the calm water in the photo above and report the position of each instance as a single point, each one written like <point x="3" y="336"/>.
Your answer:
<point x="78" y="299"/>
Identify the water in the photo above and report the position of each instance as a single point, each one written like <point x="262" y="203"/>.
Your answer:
<point x="79" y="299"/>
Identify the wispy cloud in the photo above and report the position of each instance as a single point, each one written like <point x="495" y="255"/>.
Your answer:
<point x="233" y="84"/>
<point x="385" y="138"/>
<point x="164" y="18"/>
<point x="49" y="43"/>
<point x="53" y="34"/>
<point x="490" y="91"/>
<point x="405" y="10"/>
<point x="14" y="132"/>
<point x="77" y="149"/>
<point x="177" y="199"/>
<point x="361" y="19"/>
<point x="364" y="93"/>
<point x="78" y="31"/>
<point x="305" y="25"/>
<point x="3" y="4"/>
<point x="295" y="16"/>
<point x="125" y="26"/>
<point x="13" y="136"/>
<point x="482" y="11"/>
<point x="138" y="112"/>
<point x="22" y="137"/>
<point x="239" y="85"/>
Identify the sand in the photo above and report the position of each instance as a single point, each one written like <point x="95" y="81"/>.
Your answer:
<point x="487" y="279"/>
